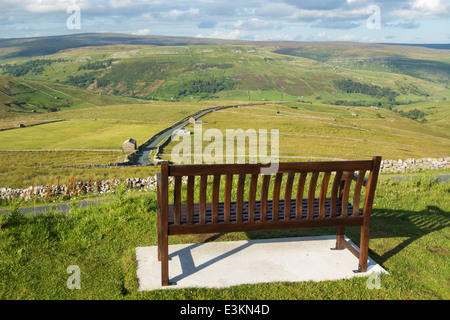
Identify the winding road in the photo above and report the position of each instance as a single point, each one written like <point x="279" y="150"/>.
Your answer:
<point x="143" y="155"/>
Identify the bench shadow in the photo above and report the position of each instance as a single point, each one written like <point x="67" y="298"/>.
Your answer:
<point x="385" y="223"/>
<point x="188" y="266"/>
<point x="187" y="263"/>
<point x="412" y="225"/>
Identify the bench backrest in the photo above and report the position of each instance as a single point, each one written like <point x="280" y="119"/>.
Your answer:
<point x="294" y="181"/>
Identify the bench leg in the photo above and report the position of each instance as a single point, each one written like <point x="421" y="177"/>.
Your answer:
<point x="364" y="248"/>
<point x="340" y="238"/>
<point x="159" y="241"/>
<point x="164" y="258"/>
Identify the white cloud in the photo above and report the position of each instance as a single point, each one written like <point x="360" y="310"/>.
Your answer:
<point x="232" y="19"/>
<point x="142" y="32"/>
<point x="255" y="24"/>
<point x="347" y="37"/>
<point x="273" y="37"/>
<point x="275" y="10"/>
<point x="235" y="34"/>
<point x="430" y="6"/>
<point x="423" y="9"/>
<point x="43" y="6"/>
<point x="178" y="14"/>
<point x="115" y="4"/>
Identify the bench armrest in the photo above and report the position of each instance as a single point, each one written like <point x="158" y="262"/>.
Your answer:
<point x="158" y="191"/>
<point x="158" y="180"/>
<point x="355" y="178"/>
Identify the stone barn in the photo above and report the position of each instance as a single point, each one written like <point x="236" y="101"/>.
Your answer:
<point x="192" y="120"/>
<point x="129" y="145"/>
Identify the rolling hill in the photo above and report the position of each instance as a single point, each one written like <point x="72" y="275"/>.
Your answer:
<point x="190" y="69"/>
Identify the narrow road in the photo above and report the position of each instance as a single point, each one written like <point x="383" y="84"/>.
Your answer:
<point x="62" y="207"/>
<point x="143" y="156"/>
<point x="444" y="177"/>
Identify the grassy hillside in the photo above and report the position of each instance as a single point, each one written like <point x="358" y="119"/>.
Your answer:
<point x="21" y="95"/>
<point x="428" y="64"/>
<point x="164" y="68"/>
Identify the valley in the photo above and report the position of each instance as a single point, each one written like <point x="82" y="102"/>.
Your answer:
<point x="74" y="101"/>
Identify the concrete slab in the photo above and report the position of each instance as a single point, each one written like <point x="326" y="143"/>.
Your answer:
<point x="225" y="264"/>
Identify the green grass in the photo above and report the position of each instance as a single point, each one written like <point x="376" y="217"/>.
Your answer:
<point x="315" y="132"/>
<point x="55" y="159"/>
<point x="78" y="135"/>
<point x="409" y="238"/>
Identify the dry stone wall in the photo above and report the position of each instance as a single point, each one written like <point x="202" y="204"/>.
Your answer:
<point x="74" y="189"/>
<point x="413" y="165"/>
<point x="99" y="187"/>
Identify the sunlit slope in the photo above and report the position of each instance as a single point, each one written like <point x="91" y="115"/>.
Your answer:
<point x="233" y="72"/>
<point x="325" y="132"/>
<point x="22" y="95"/>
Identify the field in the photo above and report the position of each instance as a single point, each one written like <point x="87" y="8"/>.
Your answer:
<point x="308" y="132"/>
<point x="315" y="132"/>
<point x="36" y="155"/>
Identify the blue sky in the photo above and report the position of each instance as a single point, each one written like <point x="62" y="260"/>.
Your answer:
<point x="397" y="21"/>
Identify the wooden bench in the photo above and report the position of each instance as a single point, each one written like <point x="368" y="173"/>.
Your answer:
<point x="304" y="195"/>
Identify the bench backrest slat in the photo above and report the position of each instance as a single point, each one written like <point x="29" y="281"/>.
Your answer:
<point x="276" y="196"/>
<point x="252" y="198"/>
<point x="334" y="193"/>
<point x="311" y="195"/>
<point x="202" y="202"/>
<point x="240" y="198"/>
<point x="264" y="197"/>
<point x="227" y="200"/>
<point x="288" y="196"/>
<point x="299" y="198"/>
<point x="357" y="194"/>
<point x="190" y="199"/>
<point x="345" y="193"/>
<point x="177" y="201"/>
<point x="215" y="199"/>
<point x="323" y="194"/>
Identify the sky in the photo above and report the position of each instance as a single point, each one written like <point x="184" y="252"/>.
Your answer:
<point x="394" y="21"/>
